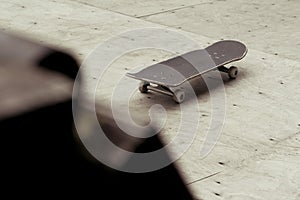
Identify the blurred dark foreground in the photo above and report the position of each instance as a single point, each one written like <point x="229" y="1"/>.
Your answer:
<point x="40" y="151"/>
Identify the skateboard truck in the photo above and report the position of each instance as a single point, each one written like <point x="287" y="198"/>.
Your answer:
<point x="177" y="94"/>
<point x="232" y="71"/>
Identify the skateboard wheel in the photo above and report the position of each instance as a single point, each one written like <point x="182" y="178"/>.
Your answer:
<point x="178" y="96"/>
<point x="233" y="72"/>
<point x="143" y="86"/>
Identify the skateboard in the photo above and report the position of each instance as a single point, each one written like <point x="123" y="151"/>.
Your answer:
<point x="166" y="77"/>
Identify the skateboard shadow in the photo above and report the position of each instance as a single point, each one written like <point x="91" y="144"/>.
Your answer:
<point x="199" y="83"/>
<point x="199" y="89"/>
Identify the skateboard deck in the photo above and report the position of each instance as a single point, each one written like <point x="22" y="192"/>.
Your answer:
<point x="175" y="71"/>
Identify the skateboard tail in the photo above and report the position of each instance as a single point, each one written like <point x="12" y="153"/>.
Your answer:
<point x="133" y="75"/>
